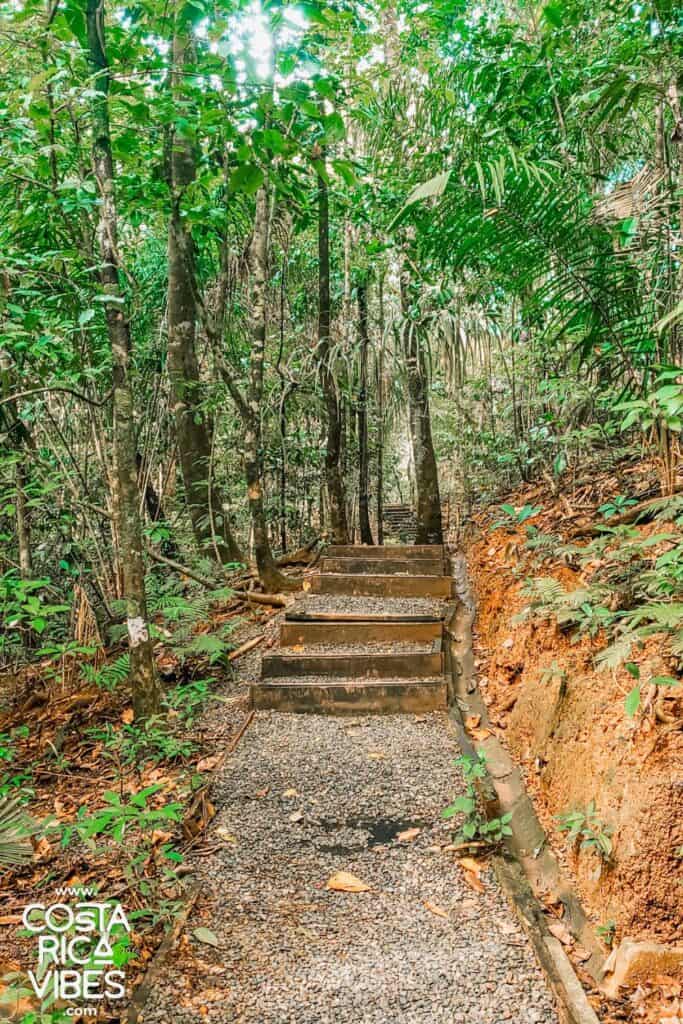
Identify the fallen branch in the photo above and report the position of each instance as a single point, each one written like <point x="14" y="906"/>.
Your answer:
<point x="162" y="560"/>
<point x="277" y="600"/>
<point x="142" y="992"/>
<point x="643" y="512"/>
<point x="246" y="647"/>
<point x="243" y="728"/>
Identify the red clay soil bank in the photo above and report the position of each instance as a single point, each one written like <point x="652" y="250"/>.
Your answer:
<point x="580" y="746"/>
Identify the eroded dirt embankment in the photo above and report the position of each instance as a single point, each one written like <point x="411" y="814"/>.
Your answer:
<point x="565" y="723"/>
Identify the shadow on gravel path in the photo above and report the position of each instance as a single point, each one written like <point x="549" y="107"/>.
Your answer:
<point x="304" y="797"/>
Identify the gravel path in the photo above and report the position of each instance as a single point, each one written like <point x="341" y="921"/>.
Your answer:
<point x="345" y="604"/>
<point x="304" y="797"/>
<point x="368" y="647"/>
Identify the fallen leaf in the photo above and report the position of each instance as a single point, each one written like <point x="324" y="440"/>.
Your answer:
<point x="345" y="882"/>
<point x="470" y="864"/>
<point x="260" y="793"/>
<point x="473" y="881"/>
<point x="433" y="909"/>
<point x="206" y="936"/>
<point x="207" y="764"/>
<point x="377" y="755"/>
<point x="472" y="721"/>
<point x="297" y="649"/>
<point x="127" y="716"/>
<point x="408" y="835"/>
<point x="290" y="792"/>
<point x="306" y="585"/>
<point x="297" y="816"/>
<point x="561" y="932"/>
<point x="481" y="734"/>
<point x="226" y="836"/>
<point x="582" y="954"/>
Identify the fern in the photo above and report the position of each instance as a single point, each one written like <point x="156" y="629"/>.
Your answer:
<point x="109" y="676"/>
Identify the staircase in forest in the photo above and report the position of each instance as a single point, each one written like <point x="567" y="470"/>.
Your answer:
<point x="366" y="637"/>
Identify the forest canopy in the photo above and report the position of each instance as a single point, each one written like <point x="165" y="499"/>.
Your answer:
<point x="270" y="268"/>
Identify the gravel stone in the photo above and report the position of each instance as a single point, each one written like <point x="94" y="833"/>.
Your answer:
<point x="345" y="604"/>
<point x="304" y="797"/>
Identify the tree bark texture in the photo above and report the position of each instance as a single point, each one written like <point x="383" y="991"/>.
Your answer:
<point x="333" y="453"/>
<point x="143" y="677"/>
<point x="429" y="527"/>
<point x="363" y="452"/>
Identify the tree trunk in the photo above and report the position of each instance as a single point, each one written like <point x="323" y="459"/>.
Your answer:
<point x="143" y="677"/>
<point x="23" y="521"/>
<point x="192" y="427"/>
<point x="271" y="578"/>
<point x="363" y="453"/>
<point x="333" y="474"/>
<point x="380" y="418"/>
<point x="429" y="528"/>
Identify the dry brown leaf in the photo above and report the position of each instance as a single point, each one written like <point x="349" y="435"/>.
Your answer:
<point x="470" y="864"/>
<point x="208" y="764"/>
<point x="433" y="909"/>
<point x="377" y="755"/>
<point x="343" y="881"/>
<point x="127" y="716"/>
<point x="296" y="817"/>
<point x="306" y="585"/>
<point x="290" y="792"/>
<point x="408" y="835"/>
<point x="226" y="836"/>
<point x="561" y="932"/>
<point x="473" y="881"/>
<point x="472" y="721"/>
<point x="481" y="734"/>
<point x="260" y="793"/>
<point x="582" y="954"/>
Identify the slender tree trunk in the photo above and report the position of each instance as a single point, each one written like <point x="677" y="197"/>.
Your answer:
<point x="429" y="528"/>
<point x="333" y="474"/>
<point x="269" y="574"/>
<point x="23" y="520"/>
<point x="192" y="427"/>
<point x="363" y="453"/>
<point x="143" y="676"/>
<point x="380" y="418"/>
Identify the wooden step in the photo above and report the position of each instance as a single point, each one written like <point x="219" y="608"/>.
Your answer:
<point x="385" y="551"/>
<point x="383" y="586"/>
<point x="352" y="666"/>
<point x="294" y="633"/>
<point x="376" y="696"/>
<point x="384" y="566"/>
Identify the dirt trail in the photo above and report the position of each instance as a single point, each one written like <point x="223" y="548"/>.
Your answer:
<point x="304" y="797"/>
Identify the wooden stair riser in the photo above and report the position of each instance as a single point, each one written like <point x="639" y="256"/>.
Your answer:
<point x="383" y="586"/>
<point x="383" y="566"/>
<point x="415" y="551"/>
<point x="309" y="634"/>
<point x="352" y="666"/>
<point x="408" y="697"/>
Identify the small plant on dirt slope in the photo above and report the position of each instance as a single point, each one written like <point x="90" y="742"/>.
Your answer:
<point x="138" y="830"/>
<point x="475" y="827"/>
<point x="515" y="517"/>
<point x="585" y="828"/>
<point x="615" y="506"/>
<point x="634" y="697"/>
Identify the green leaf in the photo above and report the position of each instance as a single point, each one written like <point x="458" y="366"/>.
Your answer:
<point x="248" y="179"/>
<point x="632" y="702"/>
